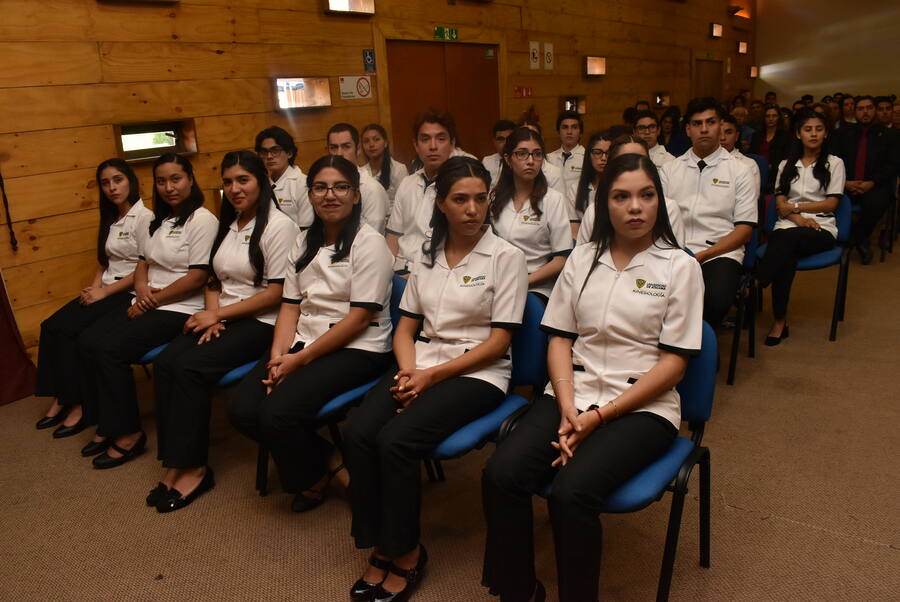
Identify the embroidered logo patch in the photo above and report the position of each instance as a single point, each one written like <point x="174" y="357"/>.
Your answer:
<point x="640" y="282"/>
<point x="469" y="281"/>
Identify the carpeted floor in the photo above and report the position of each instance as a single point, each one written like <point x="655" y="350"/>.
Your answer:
<point x="805" y="495"/>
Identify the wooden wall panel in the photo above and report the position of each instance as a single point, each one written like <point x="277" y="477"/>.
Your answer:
<point x="50" y="237"/>
<point x="49" y="279"/>
<point x="55" y="193"/>
<point x="48" y="63"/>
<point x="47" y="151"/>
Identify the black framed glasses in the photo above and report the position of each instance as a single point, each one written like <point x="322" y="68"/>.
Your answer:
<point x="599" y="152"/>
<point x="341" y="190"/>
<point x="522" y="154"/>
<point x="274" y="151"/>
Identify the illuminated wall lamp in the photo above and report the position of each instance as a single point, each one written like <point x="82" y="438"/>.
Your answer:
<point x="595" y="66"/>
<point x="715" y="30"/>
<point x="754" y="71"/>
<point x="742" y="47"/>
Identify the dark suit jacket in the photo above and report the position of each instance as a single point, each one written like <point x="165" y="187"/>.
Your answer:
<point x="778" y="150"/>
<point x="881" y="153"/>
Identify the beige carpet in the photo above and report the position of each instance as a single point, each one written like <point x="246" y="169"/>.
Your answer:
<point x="805" y="495"/>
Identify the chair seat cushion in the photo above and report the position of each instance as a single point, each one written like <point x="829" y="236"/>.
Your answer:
<point x="344" y="399"/>
<point x="151" y="355"/>
<point x="471" y="435"/>
<point x="236" y="374"/>
<point x="644" y="487"/>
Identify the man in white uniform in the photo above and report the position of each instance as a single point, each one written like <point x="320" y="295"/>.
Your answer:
<point x="646" y="127"/>
<point x="275" y="146"/>
<point x="729" y="139"/>
<point x="343" y="140"/>
<point x="569" y="157"/>
<point x="502" y="130"/>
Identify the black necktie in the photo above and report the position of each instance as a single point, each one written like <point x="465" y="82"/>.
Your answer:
<point x="426" y="180"/>
<point x="566" y="156"/>
<point x="701" y="164"/>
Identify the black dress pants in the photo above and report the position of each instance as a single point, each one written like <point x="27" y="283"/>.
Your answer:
<point x="384" y="450"/>
<point x="285" y="419"/>
<point x="521" y="466"/>
<point x="873" y="205"/>
<point x="115" y="343"/>
<point x="721" y="277"/>
<point x="60" y="366"/>
<point x="779" y="265"/>
<point x="184" y="374"/>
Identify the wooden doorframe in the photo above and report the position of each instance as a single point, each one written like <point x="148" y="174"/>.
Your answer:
<point x="391" y="30"/>
<point x="698" y="56"/>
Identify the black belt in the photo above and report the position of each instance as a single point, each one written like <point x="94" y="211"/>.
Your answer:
<point x="425" y="339"/>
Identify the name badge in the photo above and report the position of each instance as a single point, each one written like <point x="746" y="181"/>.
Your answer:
<point x="470" y="281"/>
<point x="651" y="289"/>
<point x="531" y="220"/>
<point x="285" y="202"/>
<point x="721" y="183"/>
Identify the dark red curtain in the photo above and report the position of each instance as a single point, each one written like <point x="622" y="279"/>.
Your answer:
<point x="16" y="370"/>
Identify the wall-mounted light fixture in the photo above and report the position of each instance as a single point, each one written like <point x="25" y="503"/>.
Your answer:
<point x="754" y="71"/>
<point x="742" y="47"/>
<point x="594" y="66"/>
<point x="353" y="7"/>
<point x="715" y="30"/>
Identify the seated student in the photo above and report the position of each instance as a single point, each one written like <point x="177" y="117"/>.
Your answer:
<point x="277" y="149"/>
<point x="668" y="127"/>
<point x="810" y="184"/>
<point x="629" y="144"/>
<point x="332" y="333"/>
<point x="409" y="226"/>
<point x="493" y="163"/>
<point x="61" y="369"/>
<point x="343" y="140"/>
<point x="551" y="172"/>
<point x="248" y="260"/>
<point x="717" y="197"/>
<point x="570" y="155"/>
<point x="745" y="132"/>
<point x="617" y="350"/>
<point x="771" y="142"/>
<point x="579" y="197"/>
<point x="466" y="293"/>
<point x="172" y="268"/>
<point x="380" y="165"/>
<point x="646" y="127"/>
<point x="525" y="212"/>
<point x="628" y="117"/>
<point x="728" y="138"/>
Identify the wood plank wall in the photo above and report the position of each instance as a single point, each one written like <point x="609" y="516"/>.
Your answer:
<point x="73" y="68"/>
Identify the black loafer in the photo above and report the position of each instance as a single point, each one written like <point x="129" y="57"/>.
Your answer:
<point x="362" y="590"/>
<point x="104" y="460"/>
<point x="412" y="576"/>
<point x="68" y="431"/>
<point x="157" y="494"/>
<point x="95" y="447"/>
<point x="176" y="501"/>
<point x="51" y="421"/>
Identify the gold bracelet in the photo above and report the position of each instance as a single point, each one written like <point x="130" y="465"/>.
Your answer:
<point x="563" y="380"/>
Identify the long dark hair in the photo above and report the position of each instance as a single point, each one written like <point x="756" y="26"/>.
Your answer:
<point x="161" y="209"/>
<point x="624" y="139"/>
<point x="588" y="173"/>
<point x="384" y="177"/>
<point x="505" y="190"/>
<point x="820" y="169"/>
<point x="603" y="233"/>
<point x="252" y="163"/>
<point x="315" y="235"/>
<point x="109" y="213"/>
<point x="453" y="169"/>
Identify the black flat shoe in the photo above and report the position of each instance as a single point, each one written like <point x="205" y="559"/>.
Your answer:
<point x="68" y="431"/>
<point x="175" y="500"/>
<point x="50" y="421"/>
<point x="412" y="576"/>
<point x="772" y="341"/>
<point x="104" y="460"/>
<point x="157" y="494"/>
<point x="362" y="591"/>
<point x="95" y="447"/>
<point x="313" y="498"/>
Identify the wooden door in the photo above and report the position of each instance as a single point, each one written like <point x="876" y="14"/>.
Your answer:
<point x="708" y="78"/>
<point x="460" y="78"/>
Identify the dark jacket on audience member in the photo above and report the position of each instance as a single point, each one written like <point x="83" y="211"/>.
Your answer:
<point x="881" y="154"/>
<point x="778" y="150"/>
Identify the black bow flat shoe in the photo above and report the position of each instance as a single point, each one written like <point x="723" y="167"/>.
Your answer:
<point x="176" y="501"/>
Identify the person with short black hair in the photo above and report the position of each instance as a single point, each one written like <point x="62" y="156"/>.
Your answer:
<point x="276" y="147"/>
<point x="628" y="116"/>
<point x="808" y="100"/>
<point x="642" y="105"/>
<point x="884" y="108"/>
<point x="380" y="165"/>
<point x="771" y="98"/>
<point x="729" y="140"/>
<point x="798" y="104"/>
<point x="500" y="132"/>
<point x="646" y="127"/>
<point x="570" y="155"/>
<point x="342" y="139"/>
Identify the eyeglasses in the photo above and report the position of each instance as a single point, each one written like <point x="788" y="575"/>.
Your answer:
<point x="522" y="154"/>
<point x="341" y="190"/>
<point x="599" y="152"/>
<point x="646" y="128"/>
<point x="273" y="151"/>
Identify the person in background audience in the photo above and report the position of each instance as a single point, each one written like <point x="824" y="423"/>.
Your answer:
<point x="838" y="97"/>
<point x="248" y="262"/>
<point x="895" y="116"/>
<point x="756" y="118"/>
<point x="275" y="146"/>
<point x="717" y="197"/>
<point x="809" y="187"/>
<point x="737" y="101"/>
<point x="332" y="334"/>
<point x="884" y="109"/>
<point x="678" y="142"/>
<point x="834" y="113"/>
<point x="343" y="140"/>
<point x="628" y="116"/>
<point x="591" y="430"/>
<point x="745" y="132"/>
<point x="770" y="98"/>
<point x="771" y="143"/>
<point x="62" y="372"/>
<point x="568" y="157"/>
<point x="493" y="163"/>
<point x="646" y="127"/>
<point x="581" y="196"/>
<point x="798" y="104"/>
<point x="729" y="139"/>
<point x="667" y="125"/>
<point x="808" y="100"/>
<point x="642" y="105"/>
<point x="466" y="293"/>
<point x="848" y="111"/>
<point x="553" y="174"/>
<point x="380" y="165"/>
<point x="172" y="268"/>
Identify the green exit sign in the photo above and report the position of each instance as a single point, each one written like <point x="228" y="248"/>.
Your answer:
<point x="451" y="34"/>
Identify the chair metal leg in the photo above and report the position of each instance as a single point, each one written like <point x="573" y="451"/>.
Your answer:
<point x="705" y="504"/>
<point x="839" y="296"/>
<point x="845" y="266"/>
<point x="429" y="471"/>
<point x="146" y="371"/>
<point x="262" y="470"/>
<point x="335" y="433"/>
<point x="751" y="322"/>
<point x="668" y="563"/>
<point x="735" y="341"/>
<point x="439" y="470"/>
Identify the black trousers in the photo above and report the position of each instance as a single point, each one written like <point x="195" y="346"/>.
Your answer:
<point x="521" y="466"/>
<point x="60" y="366"/>
<point x="184" y="374"/>
<point x="286" y="418"/>
<point x="873" y="205"/>
<point x="384" y="450"/>
<point x="115" y="343"/>
<point x="721" y="277"/>
<point x="779" y="264"/>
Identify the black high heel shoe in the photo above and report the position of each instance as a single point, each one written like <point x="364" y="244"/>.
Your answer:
<point x="176" y="501"/>
<point x="104" y="460"/>
<point x="412" y="576"/>
<point x="362" y="590"/>
<point x="772" y="341"/>
<point x="51" y="421"/>
<point x="67" y="431"/>
<point x="304" y="502"/>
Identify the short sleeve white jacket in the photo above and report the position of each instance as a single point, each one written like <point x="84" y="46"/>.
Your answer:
<point x="121" y="244"/>
<point x="173" y="250"/>
<point x="542" y="237"/>
<point x="554" y="177"/>
<point x="374" y="201"/>
<point x="232" y="266"/>
<point x="493" y="163"/>
<point x="411" y="218"/>
<point x="807" y="188"/>
<point x="752" y="166"/>
<point x="292" y="196"/>
<point x="587" y="222"/>
<point x="571" y="167"/>
<point x="326" y="289"/>
<point x="712" y="201"/>
<point x="398" y="172"/>
<point x="459" y="306"/>
<point x="660" y="156"/>
<point x="620" y="321"/>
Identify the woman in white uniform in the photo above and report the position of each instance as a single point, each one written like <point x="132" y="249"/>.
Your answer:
<point x="466" y="293"/>
<point x="528" y="214"/>
<point x="809" y="187"/>
<point x="172" y="268"/>
<point x="380" y="165"/>
<point x="581" y="194"/>
<point x="61" y="369"/>
<point x="332" y="333"/>
<point x="276" y="147"/>
<point x="248" y="259"/>
<point x="624" y="316"/>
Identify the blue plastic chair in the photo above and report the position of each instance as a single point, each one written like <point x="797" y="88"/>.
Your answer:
<point x="335" y="409"/>
<point x="839" y="255"/>
<point x="529" y="368"/>
<point x="745" y="301"/>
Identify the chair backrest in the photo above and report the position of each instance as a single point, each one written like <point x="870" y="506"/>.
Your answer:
<point x="763" y="171"/>
<point x="529" y="347"/>
<point x="698" y="387"/>
<point x="771" y="214"/>
<point x="750" y="250"/>
<point x="843" y="216"/>
<point x="399" y="285"/>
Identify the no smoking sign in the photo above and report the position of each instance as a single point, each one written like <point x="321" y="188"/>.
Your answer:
<point x="356" y="87"/>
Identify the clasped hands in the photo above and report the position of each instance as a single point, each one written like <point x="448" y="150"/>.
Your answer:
<point x="409" y="385"/>
<point x="144" y="300"/>
<point x="573" y="429"/>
